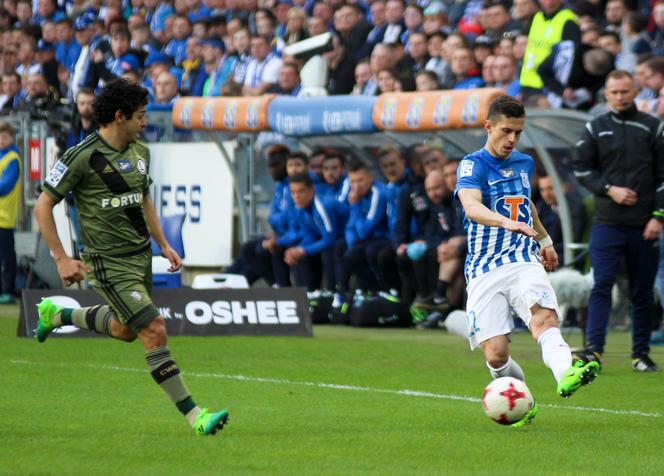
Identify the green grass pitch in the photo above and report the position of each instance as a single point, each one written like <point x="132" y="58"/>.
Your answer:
<point x="89" y="406"/>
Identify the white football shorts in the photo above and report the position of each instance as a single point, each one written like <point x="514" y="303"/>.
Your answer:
<point x="512" y="288"/>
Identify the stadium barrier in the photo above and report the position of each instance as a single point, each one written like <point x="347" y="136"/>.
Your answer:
<point x="433" y="110"/>
<point x="234" y="114"/>
<point x="274" y="312"/>
<point x="290" y="116"/>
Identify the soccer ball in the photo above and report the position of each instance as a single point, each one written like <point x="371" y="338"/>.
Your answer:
<point x="507" y="400"/>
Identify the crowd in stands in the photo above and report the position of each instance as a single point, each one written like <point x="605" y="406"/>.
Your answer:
<point x="548" y="53"/>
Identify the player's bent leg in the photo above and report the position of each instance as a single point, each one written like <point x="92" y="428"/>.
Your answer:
<point x="166" y="374"/>
<point x="498" y="359"/>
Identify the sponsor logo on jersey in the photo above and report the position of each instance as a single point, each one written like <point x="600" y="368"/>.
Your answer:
<point x="140" y="165"/>
<point x="57" y="172"/>
<point x="122" y="201"/>
<point x="466" y="168"/>
<point x="242" y="312"/>
<point x="124" y="166"/>
<point x="514" y="207"/>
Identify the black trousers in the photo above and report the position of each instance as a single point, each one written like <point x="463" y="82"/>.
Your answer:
<point x="356" y="261"/>
<point x="7" y="261"/>
<point x="420" y="276"/>
<point x="386" y="264"/>
<point x="264" y="264"/>
<point x="310" y="271"/>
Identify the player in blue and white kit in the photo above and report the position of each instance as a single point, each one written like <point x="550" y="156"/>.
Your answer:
<point x="505" y="265"/>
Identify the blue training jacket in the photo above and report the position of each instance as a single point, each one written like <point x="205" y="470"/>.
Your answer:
<point x="282" y="205"/>
<point x="316" y="227"/>
<point x="368" y="217"/>
<point x="393" y="191"/>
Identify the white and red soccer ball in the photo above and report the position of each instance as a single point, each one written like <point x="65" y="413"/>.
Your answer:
<point x="507" y="400"/>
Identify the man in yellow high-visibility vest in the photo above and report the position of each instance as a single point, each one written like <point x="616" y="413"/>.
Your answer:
<point x="554" y="26"/>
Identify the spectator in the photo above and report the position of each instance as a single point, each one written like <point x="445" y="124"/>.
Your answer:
<point x="590" y="36"/>
<point x="24" y="14"/>
<point x="520" y="45"/>
<point x="465" y="70"/>
<point x="505" y="75"/>
<point x="488" y="71"/>
<point x="45" y="57"/>
<point x="27" y="64"/>
<point x="394" y="11"/>
<point x="483" y="47"/>
<point x="426" y="81"/>
<point x="655" y="74"/>
<point x="295" y="26"/>
<point x="288" y="83"/>
<point x="12" y="95"/>
<point x="353" y="31"/>
<point x="496" y="19"/>
<point x="156" y="15"/>
<point x="263" y="70"/>
<point x="241" y="45"/>
<point x="84" y="32"/>
<point x="323" y="12"/>
<point x="388" y="82"/>
<point x="413" y="19"/>
<point x="378" y="22"/>
<point x="266" y="27"/>
<point x="316" y="26"/>
<point x="165" y="89"/>
<point x="213" y="54"/>
<point x="610" y="41"/>
<point x="47" y="10"/>
<point x="435" y="19"/>
<point x="382" y="57"/>
<point x="437" y="63"/>
<point x="106" y="68"/>
<point x="9" y="59"/>
<point x="641" y="77"/>
<point x="39" y="99"/>
<point x="362" y="77"/>
<point x="67" y="48"/>
<point x="311" y="250"/>
<point x="177" y="47"/>
<point x="629" y="205"/>
<point x="417" y="55"/>
<point x="553" y="26"/>
<point x="657" y="33"/>
<point x="10" y="194"/>
<point x="615" y="12"/>
<point x="523" y="12"/>
<point x="634" y="34"/>
<point x="84" y="123"/>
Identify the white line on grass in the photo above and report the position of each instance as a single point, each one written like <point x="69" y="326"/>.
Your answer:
<point x="334" y="386"/>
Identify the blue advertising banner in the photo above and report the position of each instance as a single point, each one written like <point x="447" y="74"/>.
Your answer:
<point x="321" y="115"/>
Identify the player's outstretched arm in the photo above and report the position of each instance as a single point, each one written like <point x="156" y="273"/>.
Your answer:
<point x="70" y="270"/>
<point x="150" y="214"/>
<point x="471" y="200"/>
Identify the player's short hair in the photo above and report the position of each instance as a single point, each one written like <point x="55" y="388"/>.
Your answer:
<point x="298" y="155"/>
<point x="334" y="155"/>
<point x="118" y="95"/>
<point x="6" y="127"/>
<point x="619" y="74"/>
<point x="385" y="151"/>
<point x="506" y="106"/>
<point x="277" y="152"/>
<point x="303" y="178"/>
<point x="358" y="165"/>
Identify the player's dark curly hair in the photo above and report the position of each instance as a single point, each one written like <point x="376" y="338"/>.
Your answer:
<point x="118" y="95"/>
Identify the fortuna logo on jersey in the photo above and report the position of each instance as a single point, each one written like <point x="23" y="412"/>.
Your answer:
<point x="514" y="207"/>
<point x="122" y="201"/>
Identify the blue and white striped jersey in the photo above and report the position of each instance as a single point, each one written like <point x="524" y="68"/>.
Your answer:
<point x="505" y="187"/>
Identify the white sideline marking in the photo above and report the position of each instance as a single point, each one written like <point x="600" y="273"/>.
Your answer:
<point x="334" y="386"/>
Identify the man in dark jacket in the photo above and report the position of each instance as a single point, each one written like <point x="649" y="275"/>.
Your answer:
<point x="620" y="158"/>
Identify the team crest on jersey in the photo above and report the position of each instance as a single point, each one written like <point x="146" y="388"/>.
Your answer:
<point x="140" y="165"/>
<point x="508" y="173"/>
<point x="466" y="167"/>
<point x="524" y="179"/>
<point x="514" y="207"/>
<point x="125" y="166"/>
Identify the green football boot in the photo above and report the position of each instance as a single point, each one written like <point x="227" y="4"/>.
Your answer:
<point x="528" y="417"/>
<point x="579" y="374"/>
<point x="47" y="310"/>
<point x="209" y="423"/>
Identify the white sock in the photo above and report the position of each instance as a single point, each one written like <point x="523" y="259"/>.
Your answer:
<point x="191" y="416"/>
<point x="510" y="369"/>
<point x="555" y="352"/>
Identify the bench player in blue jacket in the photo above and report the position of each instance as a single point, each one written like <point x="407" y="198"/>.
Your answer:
<point x="310" y="246"/>
<point x="365" y="232"/>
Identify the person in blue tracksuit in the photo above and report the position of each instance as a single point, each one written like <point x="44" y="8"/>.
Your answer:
<point x="255" y="260"/>
<point x="365" y="230"/>
<point x="393" y="167"/>
<point x="335" y="180"/>
<point x="310" y="245"/>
